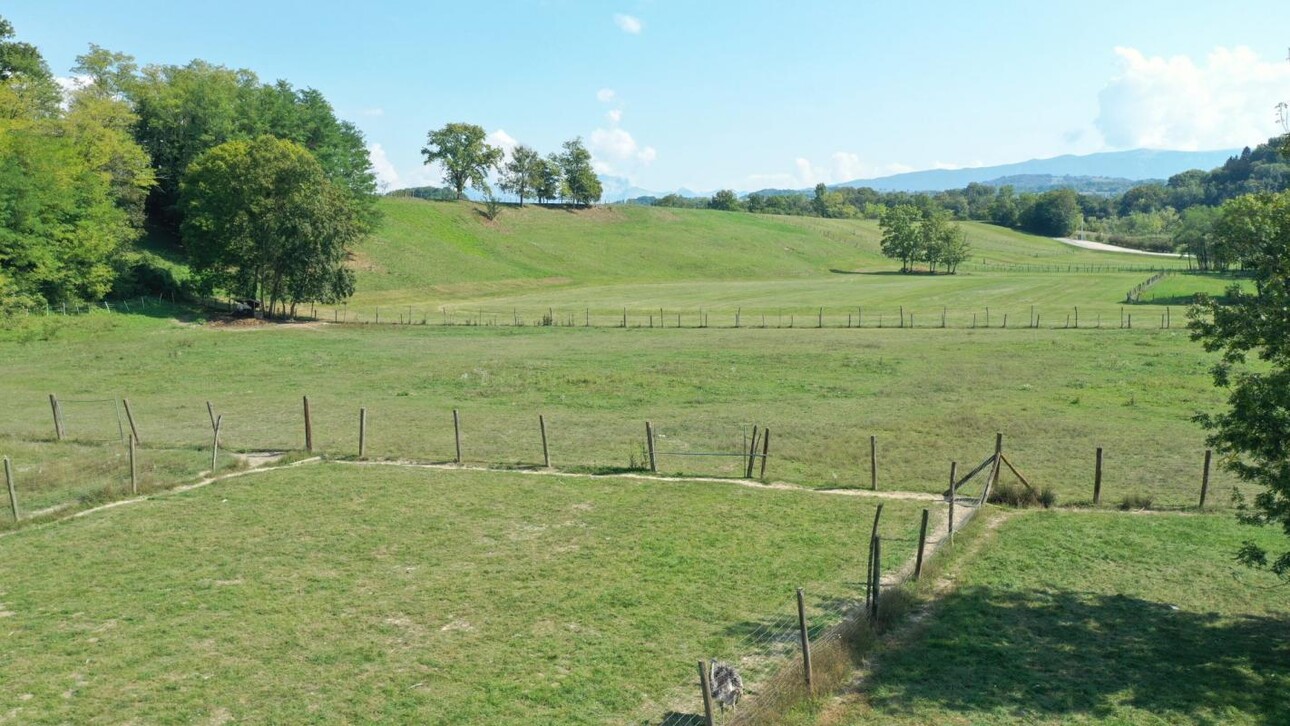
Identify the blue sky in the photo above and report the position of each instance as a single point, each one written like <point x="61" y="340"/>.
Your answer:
<point x="749" y="94"/>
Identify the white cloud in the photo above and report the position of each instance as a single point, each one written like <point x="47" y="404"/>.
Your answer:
<point x="387" y="177"/>
<point x="502" y="140"/>
<point x="842" y="166"/>
<point x="72" y="83"/>
<point x="628" y="24"/>
<point x="615" y="145"/>
<point x="605" y="95"/>
<point x="373" y="112"/>
<point x="615" y="115"/>
<point x="1175" y="103"/>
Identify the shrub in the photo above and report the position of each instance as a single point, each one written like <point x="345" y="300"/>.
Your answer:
<point x="1016" y="494"/>
<point x="1135" y="501"/>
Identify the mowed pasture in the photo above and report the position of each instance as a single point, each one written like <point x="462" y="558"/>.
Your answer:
<point x="443" y="261"/>
<point x="1079" y="618"/>
<point x="342" y="593"/>
<point x="931" y="397"/>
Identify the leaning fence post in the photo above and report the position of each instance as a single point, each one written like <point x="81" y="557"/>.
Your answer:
<point x="922" y="543"/>
<point x="309" y="428"/>
<point x="13" y="488"/>
<point x="765" y="450"/>
<point x="546" y="453"/>
<point x="954" y="470"/>
<point x="706" y="685"/>
<point x="210" y="411"/>
<point x="805" y="636"/>
<point x="362" y="433"/>
<point x="129" y="416"/>
<point x="219" y="420"/>
<point x="1204" y="479"/>
<point x="752" y="455"/>
<point x="1097" y="479"/>
<point x="649" y="446"/>
<point x="875" y="584"/>
<point x="873" y="462"/>
<point x="877" y="515"/>
<point x="134" y="470"/>
<point x="456" y="433"/>
<point x="58" y="417"/>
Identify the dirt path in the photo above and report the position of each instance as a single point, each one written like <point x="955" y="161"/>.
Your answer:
<point x="1104" y="247"/>
<point x="839" y="709"/>
<point x="776" y="486"/>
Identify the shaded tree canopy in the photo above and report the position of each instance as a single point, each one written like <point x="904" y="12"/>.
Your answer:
<point x="263" y="221"/>
<point x="1253" y="434"/>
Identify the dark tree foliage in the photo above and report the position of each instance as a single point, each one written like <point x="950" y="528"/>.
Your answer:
<point x="1253" y="434"/>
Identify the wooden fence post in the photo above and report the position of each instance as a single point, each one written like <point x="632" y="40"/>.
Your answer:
<point x="922" y="543"/>
<point x="765" y="450"/>
<point x="309" y="428"/>
<point x="805" y="636"/>
<point x="751" y="459"/>
<point x="134" y="470"/>
<point x="456" y="433"/>
<point x="954" y="470"/>
<point x="1097" y="479"/>
<point x="877" y="515"/>
<point x="1204" y="479"/>
<point x="546" y="453"/>
<point x="707" y="694"/>
<point x="13" y="488"/>
<point x="219" y="420"/>
<point x="362" y="433"/>
<point x="59" y="432"/>
<point x="875" y="586"/>
<point x="210" y="411"/>
<point x="873" y="462"/>
<point x="649" y="446"/>
<point x="129" y="416"/>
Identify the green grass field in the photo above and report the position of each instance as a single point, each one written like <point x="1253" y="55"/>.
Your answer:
<point x="342" y="593"/>
<point x="931" y="397"/>
<point x="334" y="594"/>
<point x="1095" y="618"/>
<point x="433" y="256"/>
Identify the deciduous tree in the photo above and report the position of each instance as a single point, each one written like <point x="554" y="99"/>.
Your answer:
<point x="465" y="155"/>
<point x="1253" y="434"/>
<point x="523" y="173"/>
<point x="261" y="220"/>
<point x="581" y="185"/>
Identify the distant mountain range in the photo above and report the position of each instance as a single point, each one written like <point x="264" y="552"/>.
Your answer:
<point x="1138" y="164"/>
<point x="1110" y="172"/>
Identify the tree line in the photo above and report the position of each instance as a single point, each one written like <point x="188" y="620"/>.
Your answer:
<point x="1173" y="215"/>
<point x="469" y="160"/>
<point x="261" y="187"/>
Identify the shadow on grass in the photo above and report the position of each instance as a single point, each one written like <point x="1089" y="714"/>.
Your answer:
<point x="674" y="718"/>
<point x="1064" y="654"/>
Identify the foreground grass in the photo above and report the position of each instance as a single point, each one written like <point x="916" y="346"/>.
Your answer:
<point x="931" y="397"/>
<point x="1096" y="618"/>
<point x="339" y="594"/>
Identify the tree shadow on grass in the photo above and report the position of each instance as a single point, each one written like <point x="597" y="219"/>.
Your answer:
<point x="1064" y="653"/>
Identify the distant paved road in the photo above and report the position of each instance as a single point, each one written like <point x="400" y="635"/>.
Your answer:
<point x="1103" y="247"/>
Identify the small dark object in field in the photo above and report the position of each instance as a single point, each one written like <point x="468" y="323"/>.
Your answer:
<point x="727" y="686"/>
<point x="1135" y="501"/>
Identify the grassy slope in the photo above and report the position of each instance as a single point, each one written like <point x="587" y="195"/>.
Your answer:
<point x="432" y="253"/>
<point x="333" y="594"/>
<point x="930" y="396"/>
<point x="1076" y="618"/>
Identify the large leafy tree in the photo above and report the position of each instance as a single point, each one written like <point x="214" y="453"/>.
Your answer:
<point x="466" y="156"/>
<point x="581" y="185"/>
<point x="901" y="237"/>
<point x="1253" y="434"/>
<point x="549" y="182"/>
<point x="523" y="173"/>
<point x="72" y="183"/>
<point x="262" y="220"/>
